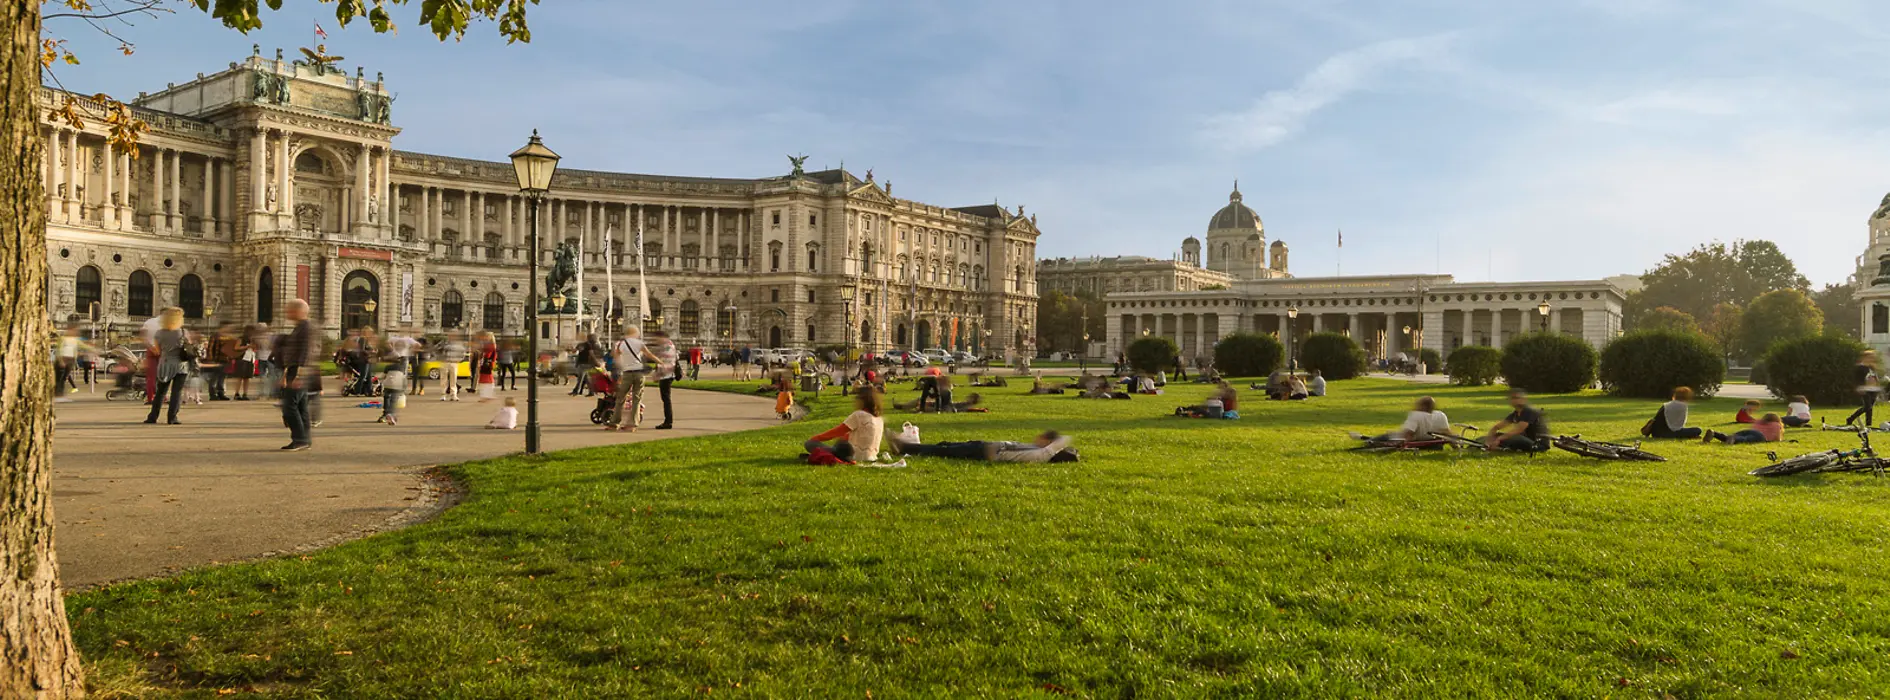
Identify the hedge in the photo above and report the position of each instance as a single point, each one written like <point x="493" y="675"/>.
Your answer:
<point x="1474" y="365"/>
<point x="1248" y="355"/>
<point x="1818" y="367"/>
<point x="1549" y="363"/>
<point x="1433" y="361"/>
<point x="1153" y="354"/>
<point x="1650" y="364"/>
<point x="1335" y="355"/>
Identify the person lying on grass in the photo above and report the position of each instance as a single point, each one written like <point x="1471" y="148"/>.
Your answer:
<point x="858" y="435"/>
<point x="1048" y="447"/>
<point x="969" y="405"/>
<point x="1671" y="420"/>
<point x="1421" y="423"/>
<point x="1223" y="399"/>
<point x="1766" y="429"/>
<point x="1748" y="413"/>
<point x="1523" y="430"/>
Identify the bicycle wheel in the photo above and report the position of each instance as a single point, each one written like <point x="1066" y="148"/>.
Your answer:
<point x="1637" y="454"/>
<point x="1796" y="465"/>
<point x="1862" y="464"/>
<point x="1586" y="448"/>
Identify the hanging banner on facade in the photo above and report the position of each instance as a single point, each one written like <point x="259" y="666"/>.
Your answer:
<point x="366" y="254"/>
<point x="406" y="296"/>
<point x="301" y="281"/>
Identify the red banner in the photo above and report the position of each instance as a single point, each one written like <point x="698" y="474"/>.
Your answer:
<point x="366" y="254"/>
<point x="301" y="282"/>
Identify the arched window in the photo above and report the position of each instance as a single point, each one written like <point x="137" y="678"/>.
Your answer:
<point x="266" y="296"/>
<point x="494" y="312"/>
<point x="691" y="255"/>
<point x="140" y="293"/>
<point x="90" y="289"/>
<point x="360" y="300"/>
<point x="977" y="277"/>
<point x="616" y="309"/>
<point x="690" y="324"/>
<point x="725" y="323"/>
<point x="866" y="332"/>
<point x="774" y="256"/>
<point x="810" y="334"/>
<point x="899" y="335"/>
<point x="452" y="309"/>
<point x="728" y="257"/>
<point x="652" y="255"/>
<point x="190" y="296"/>
<point x="653" y="316"/>
<point x="308" y="162"/>
<point x="813" y="257"/>
<point x="493" y="243"/>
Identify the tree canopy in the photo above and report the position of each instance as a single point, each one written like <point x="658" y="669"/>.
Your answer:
<point x="1667" y="318"/>
<point x="1061" y="323"/>
<point x="1716" y="273"/>
<point x="1786" y="314"/>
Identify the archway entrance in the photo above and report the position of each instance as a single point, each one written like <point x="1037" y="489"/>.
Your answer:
<point x="774" y="336"/>
<point x="925" y="335"/>
<point x="360" y="298"/>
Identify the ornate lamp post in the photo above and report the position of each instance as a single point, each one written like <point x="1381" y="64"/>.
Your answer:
<point x="846" y="302"/>
<point x="535" y="165"/>
<point x="1292" y="338"/>
<point x="1542" y="310"/>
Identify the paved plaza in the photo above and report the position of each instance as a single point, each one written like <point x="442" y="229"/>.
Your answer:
<point x="136" y="500"/>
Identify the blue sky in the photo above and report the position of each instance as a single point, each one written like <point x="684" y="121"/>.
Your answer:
<point x="1488" y="139"/>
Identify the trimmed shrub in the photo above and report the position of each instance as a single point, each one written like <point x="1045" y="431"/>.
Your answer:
<point x="1153" y="354"/>
<point x="1819" y="367"/>
<point x="1475" y="365"/>
<point x="1650" y="364"/>
<point x="1248" y="355"/>
<point x="1333" y="354"/>
<point x="1549" y="363"/>
<point x="1758" y="375"/>
<point x="1433" y="361"/>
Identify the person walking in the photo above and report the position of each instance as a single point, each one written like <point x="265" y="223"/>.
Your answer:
<point x="667" y="371"/>
<point x="583" y="359"/>
<point x="508" y="365"/>
<point x="744" y="359"/>
<point x="486" y="367"/>
<point x="634" y="362"/>
<point x="1869" y="386"/>
<point x="450" y="353"/>
<point x="70" y="347"/>
<point x="169" y="347"/>
<point x="294" y="354"/>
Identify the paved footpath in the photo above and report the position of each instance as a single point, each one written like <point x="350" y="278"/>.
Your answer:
<point x="136" y="500"/>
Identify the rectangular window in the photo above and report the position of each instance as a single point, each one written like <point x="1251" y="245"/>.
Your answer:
<point x="448" y="207"/>
<point x="1879" y="318"/>
<point x="774" y="295"/>
<point x="776" y="215"/>
<point x="810" y="296"/>
<point x="812" y="219"/>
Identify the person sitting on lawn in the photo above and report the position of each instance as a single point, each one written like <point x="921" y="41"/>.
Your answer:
<point x="1523" y="430"/>
<point x="1421" y="423"/>
<point x="1317" y="385"/>
<point x="858" y="435"/>
<point x="1797" y="413"/>
<point x="1766" y="429"/>
<point x="1223" y="399"/>
<point x="1748" y="413"/>
<point x="1671" y="420"/>
<point x="1038" y="387"/>
<point x="1048" y="447"/>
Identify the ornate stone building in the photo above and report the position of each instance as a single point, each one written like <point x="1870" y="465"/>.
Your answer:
<point x="274" y="180"/>
<point x="1386" y="314"/>
<point x="1128" y="273"/>
<point x="1872" y="281"/>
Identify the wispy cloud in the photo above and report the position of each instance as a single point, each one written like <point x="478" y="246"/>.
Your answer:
<point x="1280" y="114"/>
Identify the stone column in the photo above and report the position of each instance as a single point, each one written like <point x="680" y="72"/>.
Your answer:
<point x="56" y="190"/>
<point x="1555" y="320"/>
<point x="226" y="209"/>
<point x="421" y="233"/>
<point x="1496" y="328"/>
<point x="285" y="197"/>
<point x="175" y="218"/>
<point x="390" y="209"/>
<point x="209" y="213"/>
<point x="1318" y="323"/>
<point x="1286" y="331"/>
<point x="1433" y="337"/>
<point x="362" y="164"/>
<point x="158" y="220"/>
<point x="589" y="234"/>
<point x="714" y="251"/>
<point x="510" y="229"/>
<point x="258" y="167"/>
<point x="1353" y="330"/>
<point x="468" y="230"/>
<point x="108" y="210"/>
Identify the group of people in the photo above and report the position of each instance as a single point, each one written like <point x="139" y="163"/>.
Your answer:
<point x="1524" y="429"/>
<point x="859" y="437"/>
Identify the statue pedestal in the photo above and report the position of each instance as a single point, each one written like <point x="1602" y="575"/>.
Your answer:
<point x="563" y="330"/>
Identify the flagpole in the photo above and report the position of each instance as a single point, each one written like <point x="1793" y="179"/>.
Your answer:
<point x="1341" y="254"/>
<point x="580" y="283"/>
<point x="610" y="287"/>
<point x="643" y="283"/>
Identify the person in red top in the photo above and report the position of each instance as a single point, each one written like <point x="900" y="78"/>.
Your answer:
<point x="1749" y="413"/>
<point x="486" y="366"/>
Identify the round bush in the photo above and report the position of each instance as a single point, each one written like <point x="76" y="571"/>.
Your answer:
<point x="1475" y="365"/>
<point x="1433" y="361"/>
<point x="1818" y="367"/>
<point x="1650" y="364"/>
<point x="1152" y="354"/>
<point x="1333" y="354"/>
<point x="1248" y="355"/>
<point x="1549" y="363"/>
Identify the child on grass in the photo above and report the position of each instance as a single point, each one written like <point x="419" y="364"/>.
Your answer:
<point x="507" y="418"/>
<point x="1797" y="413"/>
<point x="1749" y="413"/>
<point x="1766" y="429"/>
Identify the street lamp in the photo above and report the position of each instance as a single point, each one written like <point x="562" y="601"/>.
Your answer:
<point x="1292" y="338"/>
<point x="1542" y="310"/>
<point x="534" y="165"/>
<point x="846" y="335"/>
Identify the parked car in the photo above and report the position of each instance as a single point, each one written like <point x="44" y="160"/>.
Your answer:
<point x="965" y="358"/>
<point x="939" y="356"/>
<point x="434" y="369"/>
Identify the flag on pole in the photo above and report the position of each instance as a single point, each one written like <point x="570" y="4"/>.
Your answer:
<point x="1341" y="238"/>
<point x="319" y="32"/>
<point x="643" y="284"/>
<point x="610" y="289"/>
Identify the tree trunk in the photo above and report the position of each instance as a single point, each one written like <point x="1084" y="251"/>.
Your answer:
<point x="36" y="655"/>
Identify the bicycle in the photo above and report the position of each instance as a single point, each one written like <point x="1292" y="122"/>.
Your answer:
<point x="1830" y="461"/>
<point x="1846" y="428"/>
<point x="1436" y="441"/>
<point x="1605" y="450"/>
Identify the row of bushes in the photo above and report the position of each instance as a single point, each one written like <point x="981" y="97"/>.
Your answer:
<point x="1645" y="364"/>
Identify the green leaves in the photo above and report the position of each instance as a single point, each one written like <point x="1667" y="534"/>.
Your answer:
<point x="444" y="18"/>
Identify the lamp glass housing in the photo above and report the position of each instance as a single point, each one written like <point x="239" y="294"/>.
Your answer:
<point x="534" y="164"/>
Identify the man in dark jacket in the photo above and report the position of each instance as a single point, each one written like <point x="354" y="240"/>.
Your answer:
<point x="294" y="355"/>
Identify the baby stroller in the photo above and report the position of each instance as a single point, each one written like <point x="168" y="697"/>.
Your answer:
<point x="362" y="383"/>
<point x="606" y="390"/>
<point x="127" y="376"/>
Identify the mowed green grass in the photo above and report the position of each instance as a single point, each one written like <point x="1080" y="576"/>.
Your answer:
<point x="1180" y="558"/>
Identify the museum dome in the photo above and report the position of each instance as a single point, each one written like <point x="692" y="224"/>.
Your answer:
<point x="1235" y="215"/>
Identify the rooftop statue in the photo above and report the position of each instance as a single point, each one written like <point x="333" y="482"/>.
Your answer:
<point x="798" y="161"/>
<point x="1882" y="211"/>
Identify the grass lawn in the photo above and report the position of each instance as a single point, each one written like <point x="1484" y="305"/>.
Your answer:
<point x="1180" y="558"/>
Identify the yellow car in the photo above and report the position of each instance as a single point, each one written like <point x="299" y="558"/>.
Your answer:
<point x="432" y="369"/>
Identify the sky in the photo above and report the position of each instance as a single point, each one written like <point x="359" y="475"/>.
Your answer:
<point x="1489" y="139"/>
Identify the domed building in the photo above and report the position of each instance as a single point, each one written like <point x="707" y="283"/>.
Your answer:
<point x="1872" y="281"/>
<point x="1237" y="242"/>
